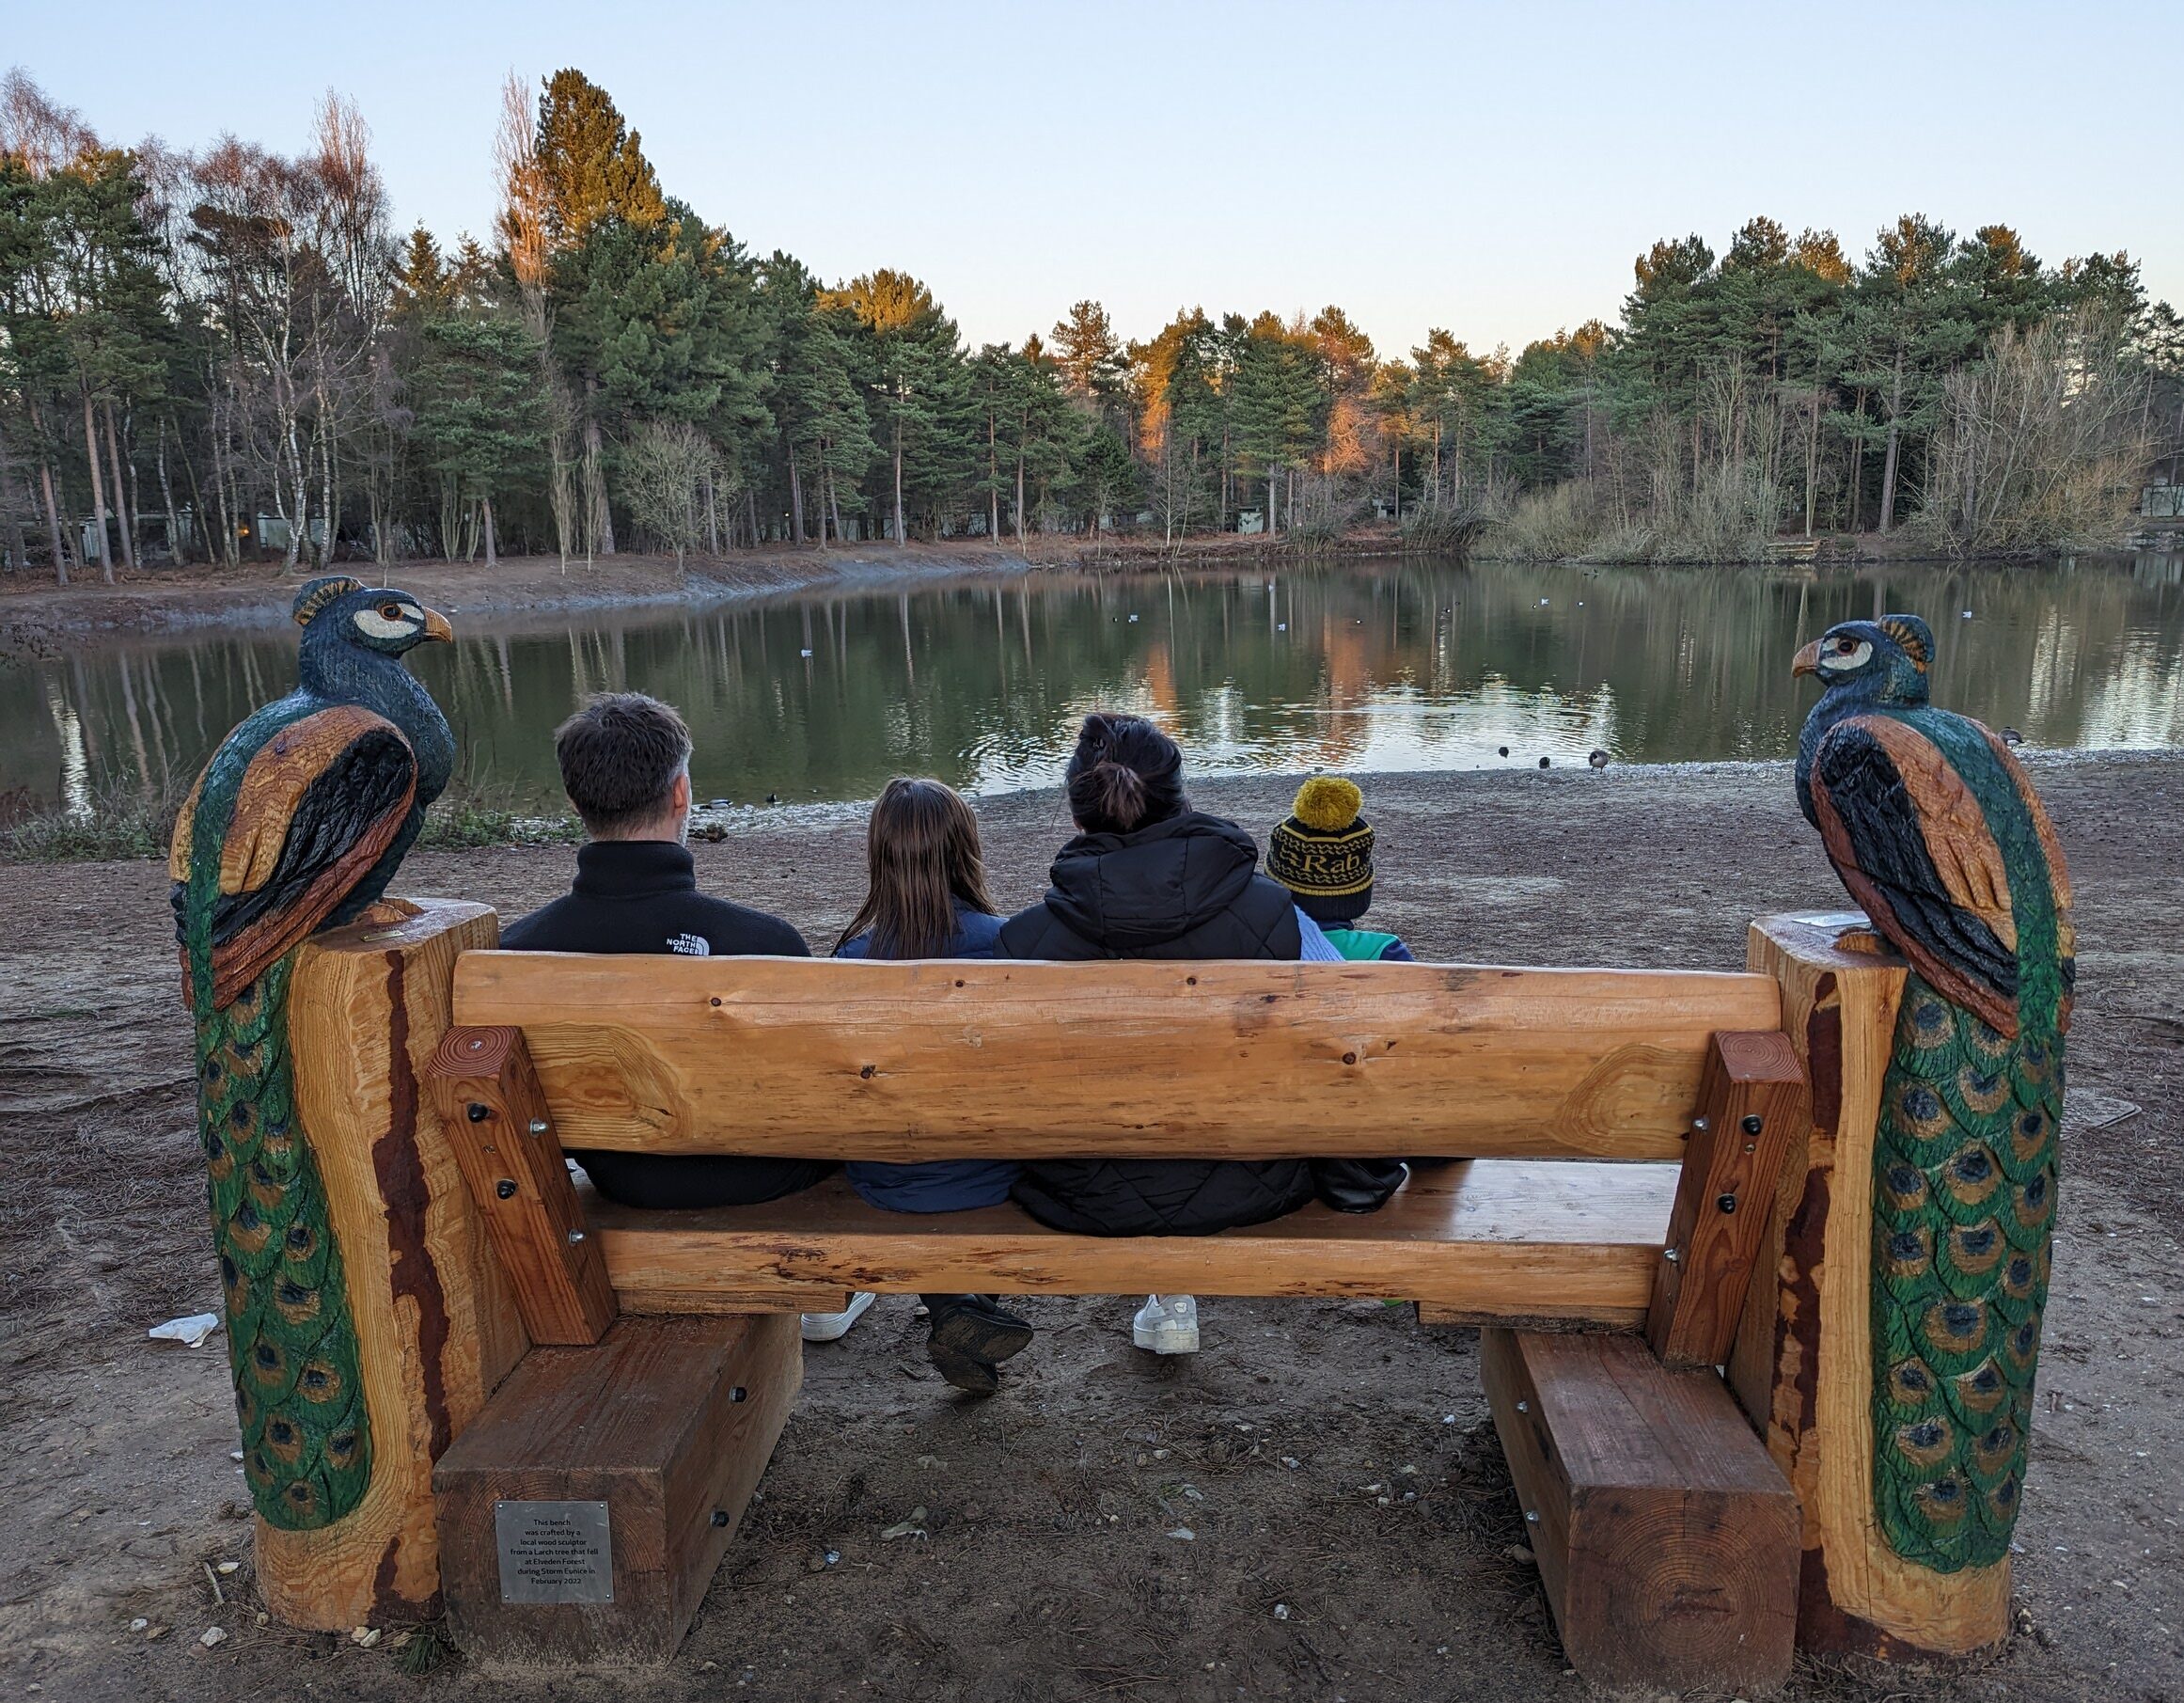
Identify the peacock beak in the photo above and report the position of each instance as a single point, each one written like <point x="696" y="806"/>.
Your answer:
<point x="437" y="626"/>
<point x="1806" y="661"/>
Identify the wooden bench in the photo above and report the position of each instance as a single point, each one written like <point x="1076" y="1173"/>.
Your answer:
<point x="1636" y="1145"/>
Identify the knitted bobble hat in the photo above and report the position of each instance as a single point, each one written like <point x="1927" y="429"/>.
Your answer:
<point x="1323" y="853"/>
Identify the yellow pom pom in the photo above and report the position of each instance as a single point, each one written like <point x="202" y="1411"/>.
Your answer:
<point x="1328" y="804"/>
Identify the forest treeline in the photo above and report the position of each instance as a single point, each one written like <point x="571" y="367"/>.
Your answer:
<point x="232" y="354"/>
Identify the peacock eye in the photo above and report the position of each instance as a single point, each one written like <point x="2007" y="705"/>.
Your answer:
<point x="390" y="611"/>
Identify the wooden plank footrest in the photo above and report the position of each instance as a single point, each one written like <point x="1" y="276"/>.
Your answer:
<point x="1668" y="1541"/>
<point x="583" y="1513"/>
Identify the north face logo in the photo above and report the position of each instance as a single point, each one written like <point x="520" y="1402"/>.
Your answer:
<point x="690" y="946"/>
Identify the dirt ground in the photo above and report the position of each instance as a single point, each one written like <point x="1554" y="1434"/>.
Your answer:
<point x="1047" y="1570"/>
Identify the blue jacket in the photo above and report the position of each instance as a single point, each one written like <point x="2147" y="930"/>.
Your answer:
<point x="939" y="1185"/>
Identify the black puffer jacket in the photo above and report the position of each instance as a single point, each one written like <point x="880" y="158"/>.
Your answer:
<point x="1185" y="888"/>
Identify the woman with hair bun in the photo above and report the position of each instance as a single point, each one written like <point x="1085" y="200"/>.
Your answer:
<point x="1147" y="876"/>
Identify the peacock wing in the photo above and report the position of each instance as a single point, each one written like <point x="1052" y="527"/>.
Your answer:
<point x="1907" y="836"/>
<point x="317" y="807"/>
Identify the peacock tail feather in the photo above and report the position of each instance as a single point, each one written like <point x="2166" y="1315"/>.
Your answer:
<point x="1964" y="1201"/>
<point x="291" y="1342"/>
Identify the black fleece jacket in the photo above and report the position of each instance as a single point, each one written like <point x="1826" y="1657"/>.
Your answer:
<point x="641" y="896"/>
<point x="1185" y="888"/>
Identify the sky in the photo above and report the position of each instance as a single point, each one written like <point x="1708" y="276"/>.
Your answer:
<point x="1489" y="169"/>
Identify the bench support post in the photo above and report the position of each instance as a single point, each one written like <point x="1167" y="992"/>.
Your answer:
<point x="1803" y="1363"/>
<point x="436" y="1327"/>
<point x="1750" y="1096"/>
<point x="495" y="1115"/>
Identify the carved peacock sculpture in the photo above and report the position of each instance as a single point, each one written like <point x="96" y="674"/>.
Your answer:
<point x="297" y="823"/>
<point x="1937" y="832"/>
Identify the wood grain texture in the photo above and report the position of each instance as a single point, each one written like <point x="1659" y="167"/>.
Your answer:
<point x="1667" y="1541"/>
<point x="279" y="774"/>
<point x="495" y="1112"/>
<point x="670" y="1422"/>
<point x="1802" y="1364"/>
<point x="1750" y="1097"/>
<point x="436" y="1326"/>
<point x="1499" y="1238"/>
<point x="914" y="1061"/>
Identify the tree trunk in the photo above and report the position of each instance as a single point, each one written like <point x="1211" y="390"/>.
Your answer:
<point x="795" y="499"/>
<point x="492" y="549"/>
<point x="1273" y="495"/>
<point x="97" y="492"/>
<point x="167" y="494"/>
<point x="712" y="517"/>
<point x="599" y="511"/>
<point x="992" y="482"/>
<point x="1813" y="458"/>
<point x="52" y="523"/>
<point x="901" y="537"/>
<point x="120" y="499"/>
<point x="834" y="507"/>
<point x="1895" y="399"/>
<point x="1020" y="490"/>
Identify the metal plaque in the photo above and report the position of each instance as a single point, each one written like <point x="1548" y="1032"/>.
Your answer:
<point x="554" y="1551"/>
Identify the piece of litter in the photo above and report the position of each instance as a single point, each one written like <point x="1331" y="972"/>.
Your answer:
<point x="1372" y="1489"/>
<point x="1290" y="1461"/>
<point x="365" y="1637"/>
<point x="1407" y="1471"/>
<point x="190" y="1331"/>
<point x="138" y="1624"/>
<point x="1192" y="1491"/>
<point x="235" y="1454"/>
<point x="1183" y="1534"/>
<point x="212" y="1635"/>
<point x="231" y="1566"/>
<point x="832" y="1556"/>
<point x="912" y="1527"/>
<point x="1281" y="1611"/>
<point x="1448" y="1419"/>
<point x="1160" y="1453"/>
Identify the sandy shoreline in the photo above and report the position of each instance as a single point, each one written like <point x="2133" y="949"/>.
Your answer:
<point x="1047" y="1571"/>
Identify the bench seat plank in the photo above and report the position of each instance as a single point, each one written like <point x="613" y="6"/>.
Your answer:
<point x="1564" y="1241"/>
<point x="937" y="1060"/>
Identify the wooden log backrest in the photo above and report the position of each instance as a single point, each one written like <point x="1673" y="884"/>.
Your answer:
<point x="932" y="1060"/>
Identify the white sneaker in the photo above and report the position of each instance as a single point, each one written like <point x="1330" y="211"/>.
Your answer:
<point x="832" y="1327"/>
<point x="1167" y="1324"/>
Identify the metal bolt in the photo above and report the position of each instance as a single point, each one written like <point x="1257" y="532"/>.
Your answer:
<point x="1701" y="1125"/>
<point x="1670" y="1255"/>
<point x="575" y="1237"/>
<point x="538" y="1126"/>
<point x="1751" y="1146"/>
<point x="738" y="1394"/>
<point x="719" y="1516"/>
<point x="505" y="1188"/>
<point x="1727" y="1203"/>
<point x="1754" y="1123"/>
<point x="1530" y="1518"/>
<point x="477" y="1113"/>
<point x="1524" y="1407"/>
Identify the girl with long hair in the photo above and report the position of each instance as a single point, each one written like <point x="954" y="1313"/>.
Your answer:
<point x="927" y="899"/>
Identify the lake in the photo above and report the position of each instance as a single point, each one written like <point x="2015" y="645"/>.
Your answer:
<point x="1369" y="665"/>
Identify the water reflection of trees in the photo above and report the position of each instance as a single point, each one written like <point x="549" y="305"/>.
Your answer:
<point x="1394" y="665"/>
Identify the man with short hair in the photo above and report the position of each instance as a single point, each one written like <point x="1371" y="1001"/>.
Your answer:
<point x="626" y="764"/>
